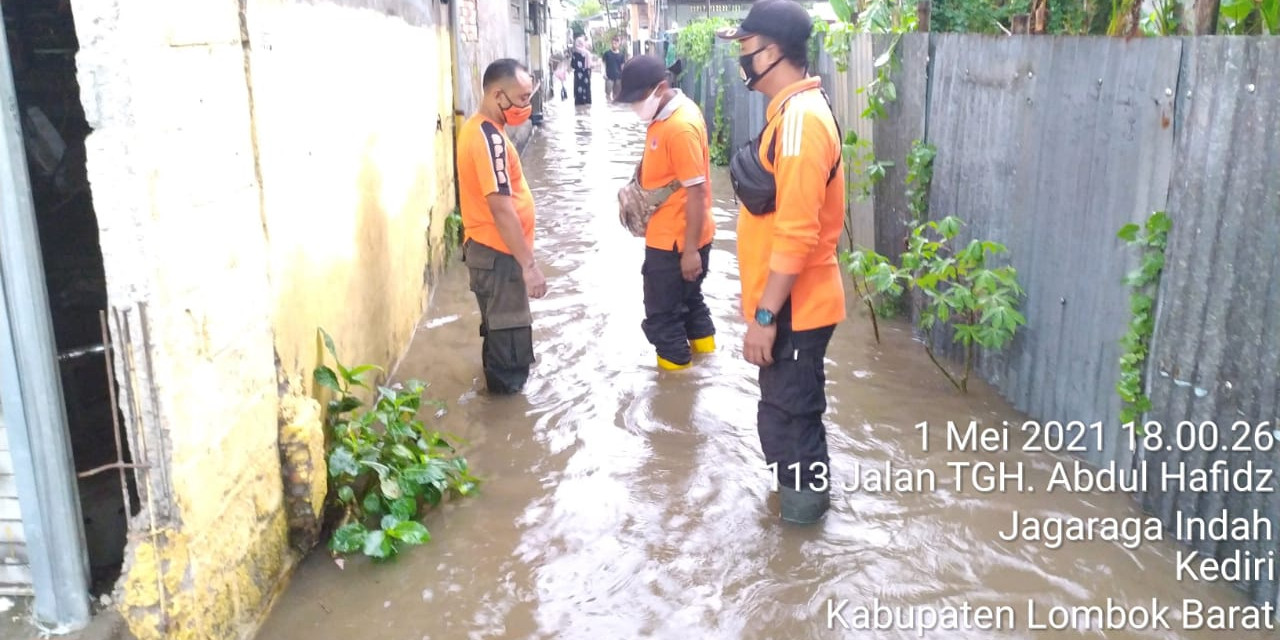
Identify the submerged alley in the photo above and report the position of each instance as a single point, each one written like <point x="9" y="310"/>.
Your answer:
<point x="625" y="502"/>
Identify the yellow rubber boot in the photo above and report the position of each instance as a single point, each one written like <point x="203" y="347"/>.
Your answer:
<point x="667" y="365"/>
<point x="703" y="345"/>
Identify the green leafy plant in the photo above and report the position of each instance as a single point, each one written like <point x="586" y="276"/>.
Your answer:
<point x="881" y="90"/>
<point x="1150" y="239"/>
<point x="1249" y="17"/>
<point x="866" y="170"/>
<point x="1126" y="18"/>
<point x="918" y="179"/>
<point x="887" y="16"/>
<point x="876" y="281"/>
<point x="720" y="133"/>
<point x="980" y="16"/>
<point x="589" y="9"/>
<point x="1162" y="20"/>
<point x="696" y="42"/>
<point x="452" y="233"/>
<point x="386" y="467"/>
<point x="837" y="40"/>
<point x="977" y="301"/>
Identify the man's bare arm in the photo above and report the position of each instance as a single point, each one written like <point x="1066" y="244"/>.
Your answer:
<point x="695" y="215"/>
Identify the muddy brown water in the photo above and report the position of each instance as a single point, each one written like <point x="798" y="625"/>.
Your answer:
<point x="623" y="503"/>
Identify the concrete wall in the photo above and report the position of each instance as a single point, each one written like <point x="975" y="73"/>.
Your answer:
<point x="15" y="571"/>
<point x="257" y="173"/>
<point x="486" y="30"/>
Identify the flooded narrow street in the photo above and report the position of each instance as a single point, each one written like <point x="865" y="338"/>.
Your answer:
<point x="621" y="502"/>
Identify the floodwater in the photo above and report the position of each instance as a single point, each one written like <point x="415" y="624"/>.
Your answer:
<point x="624" y="503"/>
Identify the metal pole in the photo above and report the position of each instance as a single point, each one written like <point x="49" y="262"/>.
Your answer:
<point x="31" y="392"/>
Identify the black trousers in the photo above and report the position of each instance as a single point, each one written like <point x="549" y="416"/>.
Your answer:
<point x="793" y="399"/>
<point x="674" y="310"/>
<point x="506" y="324"/>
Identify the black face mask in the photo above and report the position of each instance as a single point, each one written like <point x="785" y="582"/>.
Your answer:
<point x="749" y="75"/>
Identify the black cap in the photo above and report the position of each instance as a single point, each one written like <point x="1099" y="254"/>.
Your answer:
<point x="640" y="75"/>
<point x="783" y="21"/>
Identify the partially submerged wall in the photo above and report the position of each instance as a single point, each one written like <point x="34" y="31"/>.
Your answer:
<point x="257" y="173"/>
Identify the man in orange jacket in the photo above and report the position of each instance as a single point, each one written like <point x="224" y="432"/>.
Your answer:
<point x="498" y="220"/>
<point x="792" y="196"/>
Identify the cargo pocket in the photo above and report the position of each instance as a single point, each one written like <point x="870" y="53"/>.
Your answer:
<point x="480" y="261"/>
<point x="508" y="302"/>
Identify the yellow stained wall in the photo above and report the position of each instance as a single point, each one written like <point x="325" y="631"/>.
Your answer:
<point x="247" y="195"/>
<point x="355" y="140"/>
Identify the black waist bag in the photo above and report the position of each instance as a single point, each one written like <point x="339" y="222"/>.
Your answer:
<point x="756" y="187"/>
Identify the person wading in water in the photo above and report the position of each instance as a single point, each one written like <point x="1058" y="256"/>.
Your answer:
<point x="497" y="222"/>
<point x="613" y="61"/>
<point x="792" y="206"/>
<point x="679" y="233"/>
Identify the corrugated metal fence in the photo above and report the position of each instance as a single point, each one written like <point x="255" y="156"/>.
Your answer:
<point x="1216" y="354"/>
<point x="1049" y="145"/>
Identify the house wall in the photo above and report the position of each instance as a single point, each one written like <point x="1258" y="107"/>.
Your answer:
<point x="487" y="30"/>
<point x="15" y="571"/>
<point x="258" y="171"/>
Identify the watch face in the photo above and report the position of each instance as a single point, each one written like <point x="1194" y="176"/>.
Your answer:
<point x="764" y="317"/>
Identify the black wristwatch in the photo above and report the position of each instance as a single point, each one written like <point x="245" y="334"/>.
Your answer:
<point x="764" y="317"/>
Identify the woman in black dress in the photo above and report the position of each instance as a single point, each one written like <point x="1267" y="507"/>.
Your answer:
<point x="581" y="72"/>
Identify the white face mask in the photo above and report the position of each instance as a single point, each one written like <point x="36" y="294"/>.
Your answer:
<point x="647" y="109"/>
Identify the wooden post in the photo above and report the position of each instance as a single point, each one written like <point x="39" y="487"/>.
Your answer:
<point x="1199" y="17"/>
<point x="924" y="10"/>
<point x="1041" y="23"/>
<point x="1020" y="24"/>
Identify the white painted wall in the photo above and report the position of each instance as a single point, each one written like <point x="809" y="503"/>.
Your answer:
<point x="15" y="572"/>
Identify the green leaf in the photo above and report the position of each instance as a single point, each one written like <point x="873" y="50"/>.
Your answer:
<point x="404" y="508"/>
<point x="1142" y="403"/>
<point x="328" y="343"/>
<point x="403" y="452"/>
<point x="325" y="377"/>
<point x="346" y="494"/>
<point x="349" y="538"/>
<point x="842" y="10"/>
<point x="372" y="503"/>
<point x="347" y="403"/>
<point x="425" y="473"/>
<point x="408" y="489"/>
<point x="949" y="227"/>
<point x="378" y="545"/>
<point x="342" y="461"/>
<point x="1141" y="304"/>
<point x="410" y="532"/>
<point x="391" y="488"/>
<point x="389" y="522"/>
<point x="1159" y="223"/>
<point x="465" y="488"/>
<point x="1129" y="232"/>
<point x="432" y="495"/>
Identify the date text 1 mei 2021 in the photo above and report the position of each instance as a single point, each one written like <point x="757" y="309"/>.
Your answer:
<point x="1081" y="437"/>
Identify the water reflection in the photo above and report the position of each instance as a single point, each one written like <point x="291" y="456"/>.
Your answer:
<point x="623" y="502"/>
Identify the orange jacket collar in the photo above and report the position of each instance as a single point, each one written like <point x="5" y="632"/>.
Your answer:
<point x="812" y="82"/>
